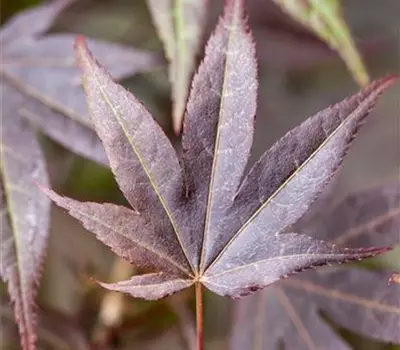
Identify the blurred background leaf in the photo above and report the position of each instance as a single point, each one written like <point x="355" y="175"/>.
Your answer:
<point x="324" y="18"/>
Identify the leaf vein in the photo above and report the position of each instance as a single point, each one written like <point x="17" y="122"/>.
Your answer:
<point x="131" y="142"/>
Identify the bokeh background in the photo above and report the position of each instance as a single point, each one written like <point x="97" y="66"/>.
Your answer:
<point x="298" y="76"/>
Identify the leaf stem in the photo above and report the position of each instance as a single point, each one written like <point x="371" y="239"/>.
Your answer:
<point x="199" y="315"/>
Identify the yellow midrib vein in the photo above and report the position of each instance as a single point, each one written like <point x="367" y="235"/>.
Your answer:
<point x="283" y="257"/>
<point x="118" y="117"/>
<point x="216" y="147"/>
<point x="102" y="223"/>
<point x="289" y="179"/>
<point x="186" y="282"/>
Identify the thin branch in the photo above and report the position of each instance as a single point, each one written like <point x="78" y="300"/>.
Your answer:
<point x="199" y="315"/>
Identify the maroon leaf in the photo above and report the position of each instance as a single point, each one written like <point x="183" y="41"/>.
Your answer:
<point x="128" y="233"/>
<point x="151" y="286"/>
<point x="356" y="299"/>
<point x="25" y="213"/>
<point x="265" y="260"/>
<point x="43" y="68"/>
<point x="201" y="224"/>
<point x="54" y="329"/>
<point x="270" y="318"/>
<point x="219" y="126"/>
<point x="366" y="218"/>
<point x="32" y="22"/>
<point x="362" y="301"/>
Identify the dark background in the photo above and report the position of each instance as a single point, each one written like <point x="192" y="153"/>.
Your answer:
<point x="298" y="76"/>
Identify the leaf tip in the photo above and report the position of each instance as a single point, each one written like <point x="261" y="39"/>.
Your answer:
<point x="43" y="188"/>
<point x="53" y="196"/>
<point x="381" y="84"/>
<point x="373" y="251"/>
<point x="84" y="60"/>
<point x="84" y="57"/>
<point x="80" y="41"/>
<point x="374" y="90"/>
<point x="177" y="121"/>
<point x="80" y="48"/>
<point x="390" y="79"/>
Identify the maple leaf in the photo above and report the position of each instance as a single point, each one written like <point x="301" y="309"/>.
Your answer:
<point x="25" y="213"/>
<point x="27" y="59"/>
<point x="200" y="223"/>
<point x="368" y="217"/>
<point x="357" y="299"/>
<point x="180" y="25"/>
<point x="43" y="68"/>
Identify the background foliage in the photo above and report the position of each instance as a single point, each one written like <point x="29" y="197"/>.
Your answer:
<point x="298" y="76"/>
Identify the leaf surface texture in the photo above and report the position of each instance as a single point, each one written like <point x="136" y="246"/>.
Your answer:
<point x="207" y="221"/>
<point x="357" y="299"/>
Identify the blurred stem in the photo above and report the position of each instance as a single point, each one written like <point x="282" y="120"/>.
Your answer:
<point x="112" y="306"/>
<point x="178" y="304"/>
<point x="199" y="315"/>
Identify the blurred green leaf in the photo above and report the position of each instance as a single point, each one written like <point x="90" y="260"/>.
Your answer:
<point x="180" y="25"/>
<point x="324" y="18"/>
